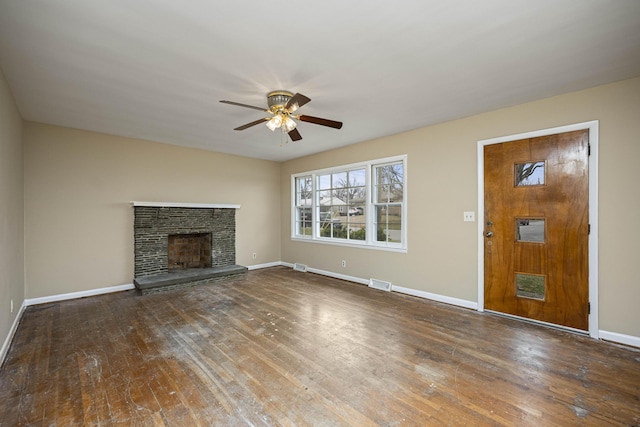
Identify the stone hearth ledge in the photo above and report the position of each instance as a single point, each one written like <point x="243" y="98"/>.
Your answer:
<point x="180" y="278"/>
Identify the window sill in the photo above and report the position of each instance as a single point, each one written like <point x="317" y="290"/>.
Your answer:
<point x="398" y="249"/>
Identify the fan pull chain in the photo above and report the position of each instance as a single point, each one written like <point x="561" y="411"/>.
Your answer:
<point x="284" y="137"/>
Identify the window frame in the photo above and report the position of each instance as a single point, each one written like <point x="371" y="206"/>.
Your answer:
<point x="370" y="241"/>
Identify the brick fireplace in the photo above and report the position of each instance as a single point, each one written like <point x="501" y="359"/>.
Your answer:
<point x="178" y="245"/>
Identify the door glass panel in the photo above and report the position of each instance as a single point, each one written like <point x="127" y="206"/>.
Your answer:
<point x="530" y="286"/>
<point x="528" y="174"/>
<point x="530" y="230"/>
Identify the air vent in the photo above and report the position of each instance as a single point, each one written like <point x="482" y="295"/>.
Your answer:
<point x="300" y="267"/>
<point x="380" y="284"/>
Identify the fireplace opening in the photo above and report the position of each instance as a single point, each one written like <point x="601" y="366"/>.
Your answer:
<point x="189" y="251"/>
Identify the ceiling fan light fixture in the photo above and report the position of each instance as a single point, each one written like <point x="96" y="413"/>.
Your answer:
<point x="289" y="124"/>
<point x="275" y="122"/>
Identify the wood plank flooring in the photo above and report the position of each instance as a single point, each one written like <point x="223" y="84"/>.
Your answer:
<point x="284" y="348"/>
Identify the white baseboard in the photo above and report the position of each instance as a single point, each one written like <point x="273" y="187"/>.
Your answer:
<point x="421" y="294"/>
<point x="436" y="297"/>
<point x="14" y="327"/>
<point x="266" y="265"/>
<point x="338" y="276"/>
<point x="620" y="338"/>
<point x="81" y="294"/>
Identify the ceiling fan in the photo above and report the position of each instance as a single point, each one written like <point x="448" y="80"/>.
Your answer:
<point x="282" y="106"/>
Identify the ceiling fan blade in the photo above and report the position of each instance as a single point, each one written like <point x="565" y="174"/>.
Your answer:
<point x="248" y="125"/>
<point x="319" y="121"/>
<point x="295" y="135"/>
<point x="297" y="99"/>
<point x="244" y="105"/>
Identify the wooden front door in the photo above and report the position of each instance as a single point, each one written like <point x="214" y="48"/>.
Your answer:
<point x="536" y="232"/>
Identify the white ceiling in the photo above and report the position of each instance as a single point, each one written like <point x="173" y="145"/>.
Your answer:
<point x="156" y="69"/>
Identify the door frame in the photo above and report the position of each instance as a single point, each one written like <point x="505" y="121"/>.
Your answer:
<point x="593" y="127"/>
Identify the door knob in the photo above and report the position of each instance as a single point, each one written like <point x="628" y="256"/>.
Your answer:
<point x="489" y="234"/>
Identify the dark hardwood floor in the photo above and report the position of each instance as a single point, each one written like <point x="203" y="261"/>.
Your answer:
<point x="281" y="347"/>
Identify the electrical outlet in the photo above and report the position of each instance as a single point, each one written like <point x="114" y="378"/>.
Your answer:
<point x="254" y="255"/>
<point x="344" y="263"/>
<point x="469" y="216"/>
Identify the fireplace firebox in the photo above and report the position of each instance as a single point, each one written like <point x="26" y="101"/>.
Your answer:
<point x="188" y="251"/>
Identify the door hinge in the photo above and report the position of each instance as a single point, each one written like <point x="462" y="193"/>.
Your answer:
<point x="589" y="230"/>
<point x="588" y="149"/>
<point x="588" y="308"/>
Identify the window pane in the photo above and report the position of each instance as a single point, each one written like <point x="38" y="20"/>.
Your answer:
<point x="304" y="222"/>
<point x="303" y="201"/>
<point x="356" y="195"/>
<point x="530" y="286"/>
<point x="304" y="184"/>
<point x="325" y="197"/>
<point x="394" y="224"/>
<point x="324" y="182"/>
<point x="349" y="187"/>
<point x="357" y="231"/>
<point x="382" y="175"/>
<point x="339" y="180"/>
<point x="303" y="191"/>
<point x="357" y="178"/>
<point x="389" y="174"/>
<point x="527" y="174"/>
<point x="388" y="223"/>
<point x="530" y="230"/>
<point x="383" y="193"/>
<point x="330" y="226"/>
<point x="389" y="183"/>
<point x="357" y="210"/>
<point x="396" y="192"/>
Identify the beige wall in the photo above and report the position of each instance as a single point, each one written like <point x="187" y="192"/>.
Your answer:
<point x="79" y="222"/>
<point x="11" y="211"/>
<point x="442" y="183"/>
<point x="78" y="186"/>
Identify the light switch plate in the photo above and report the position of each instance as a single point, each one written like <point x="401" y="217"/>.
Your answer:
<point x="469" y="216"/>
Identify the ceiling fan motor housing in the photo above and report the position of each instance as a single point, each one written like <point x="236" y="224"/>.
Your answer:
<point x="277" y="99"/>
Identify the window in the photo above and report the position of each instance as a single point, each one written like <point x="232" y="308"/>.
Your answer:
<point x="361" y="204"/>
<point x="303" y="195"/>
<point x="528" y="174"/>
<point x="341" y="200"/>
<point x="388" y="190"/>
